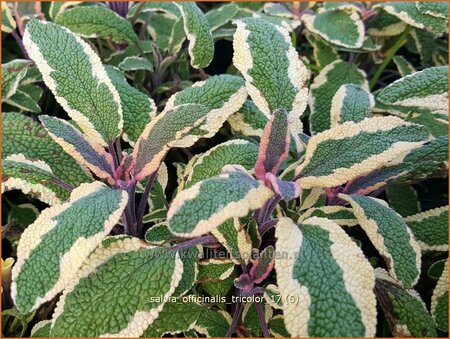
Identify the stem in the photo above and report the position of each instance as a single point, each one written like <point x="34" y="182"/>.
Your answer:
<point x="262" y="320"/>
<point x="20" y="43"/>
<point x="62" y="184"/>
<point x="269" y="208"/>
<point x="234" y="322"/>
<point x="144" y="198"/>
<point x="113" y="152"/>
<point x="138" y="11"/>
<point x="207" y="239"/>
<point x="118" y="150"/>
<point x="267" y="226"/>
<point x="399" y="43"/>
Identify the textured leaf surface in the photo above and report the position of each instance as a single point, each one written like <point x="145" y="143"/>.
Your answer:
<point x="435" y="8"/>
<point x="404" y="309"/>
<point x="234" y="238"/>
<point x="430" y="229"/>
<point x="390" y="235"/>
<point x="386" y="25"/>
<point x="439" y="301"/>
<point x="351" y="103"/>
<point x="77" y="78"/>
<point x="223" y="95"/>
<point x="325" y="86"/>
<point x="206" y="205"/>
<point x="328" y="279"/>
<point x="249" y="120"/>
<point x="137" y="107"/>
<point x="105" y="277"/>
<point x="404" y="66"/>
<point x="97" y="21"/>
<point x="32" y="177"/>
<point x="26" y="98"/>
<point x="410" y="14"/>
<point x="8" y="22"/>
<point x="162" y="133"/>
<point x="426" y="89"/>
<point x="22" y="135"/>
<point x="350" y="150"/>
<point x="134" y="63"/>
<point x="218" y="17"/>
<point x="343" y="216"/>
<point x="275" y="77"/>
<point x="56" y="244"/>
<point x="323" y="53"/>
<point x="210" y="164"/>
<point x="403" y="199"/>
<point x="12" y="73"/>
<point x="189" y="257"/>
<point x="80" y="148"/>
<point x="198" y="32"/>
<point x="339" y="27"/>
<point x="158" y="234"/>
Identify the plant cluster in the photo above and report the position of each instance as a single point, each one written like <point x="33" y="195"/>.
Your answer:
<point x="250" y="169"/>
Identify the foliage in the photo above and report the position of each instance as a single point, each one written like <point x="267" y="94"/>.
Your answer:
<point x="250" y="169"/>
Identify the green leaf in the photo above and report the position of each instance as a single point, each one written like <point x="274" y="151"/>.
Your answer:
<point x="350" y="150"/>
<point x="168" y="8"/>
<point x="411" y="15"/>
<point x="423" y="89"/>
<point x="275" y="77"/>
<point x="324" y="88"/>
<point x="189" y="257"/>
<point x="403" y="199"/>
<point x="158" y="234"/>
<point x="12" y="74"/>
<point x="339" y="27"/>
<point x="8" y="21"/>
<point x="52" y="249"/>
<point x="210" y="164"/>
<point x="404" y="310"/>
<point x="221" y="15"/>
<point x="436" y="123"/>
<point x="97" y="21"/>
<point x="343" y="216"/>
<point x="33" y="177"/>
<point x="278" y="9"/>
<point x="272" y="296"/>
<point x="287" y="23"/>
<point x="234" y="238"/>
<point x="277" y="327"/>
<point x="24" y="101"/>
<point x="209" y="203"/>
<point x="41" y="329"/>
<point x="439" y="301"/>
<point x="323" y="53"/>
<point x="177" y="36"/>
<point x="250" y="318"/>
<point x="79" y="83"/>
<point x="216" y="277"/>
<point x="134" y="63"/>
<point x="351" y="103"/>
<point x="137" y="107"/>
<point x="213" y="323"/>
<point x="198" y="32"/>
<point x="223" y="95"/>
<point x="430" y="229"/>
<point x="390" y="235"/>
<point x="79" y="147"/>
<point x="386" y="25"/>
<point x="404" y="66"/>
<point x="163" y="132"/>
<point x="22" y="135"/>
<point x="343" y="303"/>
<point x="249" y="120"/>
<point x="23" y="214"/>
<point x="436" y="9"/>
<point x="426" y="44"/>
<point x="103" y="288"/>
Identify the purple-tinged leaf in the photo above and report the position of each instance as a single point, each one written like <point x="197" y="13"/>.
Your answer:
<point x="274" y="146"/>
<point x="263" y="265"/>
<point x="288" y="190"/>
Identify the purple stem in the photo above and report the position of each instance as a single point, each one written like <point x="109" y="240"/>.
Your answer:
<point x="113" y="152"/>
<point x="262" y="320"/>
<point x="268" y="209"/>
<point x="267" y="226"/>
<point x="20" y="43"/>
<point x="234" y="322"/>
<point x="207" y="239"/>
<point x="144" y="198"/>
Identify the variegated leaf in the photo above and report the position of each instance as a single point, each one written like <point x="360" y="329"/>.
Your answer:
<point x="23" y="135"/>
<point x="343" y="216"/>
<point x="137" y="107"/>
<point x="350" y="150"/>
<point x="52" y="249"/>
<point x="158" y="234"/>
<point x="272" y="295"/>
<point x="198" y="32"/>
<point x="221" y="15"/>
<point x="103" y="284"/>
<point x="275" y="77"/>
<point x="411" y="15"/>
<point x="277" y="327"/>
<point x="73" y="142"/>
<point x="189" y="257"/>
<point x="404" y="66"/>
<point x="324" y="88"/>
<point x="403" y="199"/>
<point x="249" y="120"/>
<point x="214" y="270"/>
<point x="168" y="8"/>
<point x="41" y="329"/>
<point x="439" y="301"/>
<point x="57" y="7"/>
<point x="32" y="177"/>
<point x="351" y="103"/>
<point x="386" y="25"/>
<point x="26" y="98"/>
<point x="234" y="238"/>
<point x="430" y="229"/>
<point x="162" y="133"/>
<point x="437" y="123"/>
<point x="210" y="164"/>
<point x="12" y="74"/>
<point x="97" y="21"/>
<point x="80" y="84"/>
<point x="337" y="26"/>
<point x="434" y="8"/>
<point x="343" y="303"/>
<point x="423" y="89"/>
<point x="390" y="235"/>
<point x="287" y="23"/>
<point x="8" y="21"/>
<point x="404" y="309"/>
<point x="209" y="203"/>
<point x="323" y="53"/>
<point x="134" y="63"/>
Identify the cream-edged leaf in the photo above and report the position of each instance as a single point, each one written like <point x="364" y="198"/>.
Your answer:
<point x="343" y="216"/>
<point x="390" y="235"/>
<point x="439" y="301"/>
<point x="12" y="74"/>
<point x="209" y="203"/>
<point x="249" y="120"/>
<point x="326" y="283"/>
<point x="221" y="15"/>
<point x="80" y="83"/>
<point x="8" y="21"/>
<point x="51" y="250"/>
